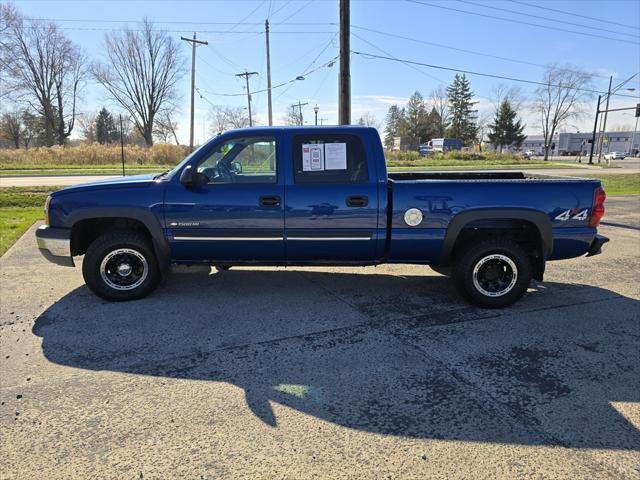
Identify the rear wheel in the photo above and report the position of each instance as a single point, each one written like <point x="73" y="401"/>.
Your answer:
<point x="120" y="266"/>
<point x="493" y="273"/>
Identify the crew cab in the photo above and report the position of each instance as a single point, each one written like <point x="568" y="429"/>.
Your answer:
<point x="320" y="196"/>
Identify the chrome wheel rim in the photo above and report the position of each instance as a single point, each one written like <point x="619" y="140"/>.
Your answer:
<point x="495" y="275"/>
<point x="124" y="269"/>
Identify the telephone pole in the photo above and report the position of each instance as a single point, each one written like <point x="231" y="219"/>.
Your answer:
<point x="269" y="107"/>
<point x="193" y="43"/>
<point x="300" y="105"/>
<point x="604" y="121"/>
<point x="246" y="76"/>
<point x="344" y="87"/>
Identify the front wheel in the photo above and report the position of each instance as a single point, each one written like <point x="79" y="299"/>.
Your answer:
<point x="120" y="266"/>
<point x="493" y="273"/>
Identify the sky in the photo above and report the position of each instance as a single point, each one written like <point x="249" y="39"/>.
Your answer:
<point x="511" y="38"/>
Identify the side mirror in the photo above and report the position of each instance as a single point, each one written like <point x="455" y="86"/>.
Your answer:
<point x="236" y="167"/>
<point x="190" y="177"/>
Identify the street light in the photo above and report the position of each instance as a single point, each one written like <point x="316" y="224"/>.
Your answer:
<point x="316" y="110"/>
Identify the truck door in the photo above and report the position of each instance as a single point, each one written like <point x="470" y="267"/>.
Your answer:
<point x="238" y="215"/>
<point x="331" y="200"/>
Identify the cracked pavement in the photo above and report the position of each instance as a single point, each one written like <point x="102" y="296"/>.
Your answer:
<point x="376" y="372"/>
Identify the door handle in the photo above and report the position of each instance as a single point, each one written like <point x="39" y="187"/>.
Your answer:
<point x="357" y="201"/>
<point x="270" y="201"/>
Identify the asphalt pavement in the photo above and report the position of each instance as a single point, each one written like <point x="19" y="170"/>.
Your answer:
<point x="376" y="372"/>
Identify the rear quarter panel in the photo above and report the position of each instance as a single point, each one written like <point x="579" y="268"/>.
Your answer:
<point x="566" y="202"/>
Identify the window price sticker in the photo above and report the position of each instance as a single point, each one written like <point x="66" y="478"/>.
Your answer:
<point x="312" y="157"/>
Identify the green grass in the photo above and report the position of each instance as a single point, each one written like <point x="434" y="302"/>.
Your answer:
<point x="620" y="184"/>
<point x="20" y="207"/>
<point x="14" y="222"/>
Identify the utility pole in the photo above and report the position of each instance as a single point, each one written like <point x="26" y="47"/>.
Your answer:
<point x="593" y="136"/>
<point x="246" y="76"/>
<point x="322" y="120"/>
<point x="604" y="123"/>
<point x="300" y="105"/>
<point x="193" y="43"/>
<point x="344" y="87"/>
<point x="269" y="106"/>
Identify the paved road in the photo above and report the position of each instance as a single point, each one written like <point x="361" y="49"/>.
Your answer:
<point x="321" y="372"/>
<point x="49" y="180"/>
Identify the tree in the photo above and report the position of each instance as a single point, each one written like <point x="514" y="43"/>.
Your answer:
<point x="368" y="119"/>
<point x="559" y="99"/>
<point x="416" y="117"/>
<point x="506" y="129"/>
<point x="106" y="130"/>
<point x="292" y="116"/>
<point x="87" y="124"/>
<point x="394" y="120"/>
<point x="462" y="125"/>
<point x="224" y="117"/>
<point x="46" y="70"/>
<point x="34" y="129"/>
<point x="440" y="102"/>
<point x="141" y="70"/>
<point x="11" y="128"/>
<point x="166" y="128"/>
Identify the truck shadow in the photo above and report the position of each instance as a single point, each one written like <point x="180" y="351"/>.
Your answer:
<point x="361" y="351"/>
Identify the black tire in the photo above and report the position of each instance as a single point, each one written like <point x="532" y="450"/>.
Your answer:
<point x="493" y="284"/>
<point x="132" y="250"/>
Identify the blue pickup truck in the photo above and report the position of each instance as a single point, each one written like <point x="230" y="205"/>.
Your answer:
<point x="320" y="196"/>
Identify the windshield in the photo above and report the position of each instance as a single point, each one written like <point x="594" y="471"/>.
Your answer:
<point x="178" y="167"/>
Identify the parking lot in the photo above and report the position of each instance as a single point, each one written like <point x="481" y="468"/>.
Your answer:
<point x="377" y="372"/>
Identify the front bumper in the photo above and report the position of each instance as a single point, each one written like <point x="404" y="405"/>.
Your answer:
<point x="55" y="245"/>
<point x="596" y="245"/>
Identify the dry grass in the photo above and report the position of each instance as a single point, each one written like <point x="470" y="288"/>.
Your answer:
<point x="91" y="154"/>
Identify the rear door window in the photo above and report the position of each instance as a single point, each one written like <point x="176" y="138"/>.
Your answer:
<point x="329" y="159"/>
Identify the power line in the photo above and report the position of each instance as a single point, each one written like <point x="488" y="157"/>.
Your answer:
<point x="433" y="77"/>
<point x="298" y="10"/>
<point x="521" y="22"/>
<point x="174" y="22"/>
<point x="573" y="14"/>
<point x="329" y="64"/>
<point x="482" y="74"/>
<point x="581" y="25"/>
<point x="449" y="47"/>
<point x="247" y="16"/>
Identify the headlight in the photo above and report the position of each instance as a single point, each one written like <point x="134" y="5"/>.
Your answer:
<point x="46" y="210"/>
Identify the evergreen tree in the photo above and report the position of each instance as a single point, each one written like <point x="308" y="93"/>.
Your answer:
<point x="106" y="131"/>
<point x="393" y="126"/>
<point x="506" y="129"/>
<point x="417" y="118"/>
<point x="463" y="125"/>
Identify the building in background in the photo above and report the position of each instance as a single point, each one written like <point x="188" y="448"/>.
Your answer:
<point x="574" y="144"/>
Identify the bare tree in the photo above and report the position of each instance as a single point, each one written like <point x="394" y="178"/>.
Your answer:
<point x="165" y="128"/>
<point x="141" y="71"/>
<point x="368" y="119"/>
<point x="11" y="128"/>
<point x="559" y="99"/>
<point x="224" y="117"/>
<point x="440" y="101"/>
<point x="87" y="123"/>
<point x="512" y="94"/>
<point x="45" y="68"/>
<point x="292" y="116"/>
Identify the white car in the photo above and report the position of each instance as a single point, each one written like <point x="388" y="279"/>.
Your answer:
<point x="614" y="156"/>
